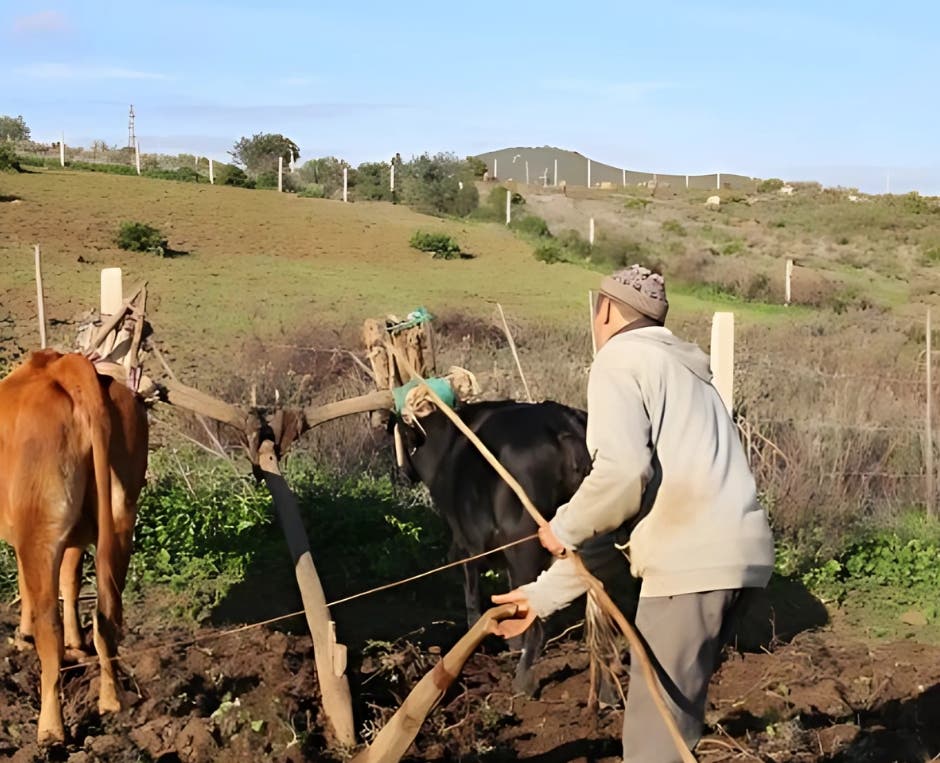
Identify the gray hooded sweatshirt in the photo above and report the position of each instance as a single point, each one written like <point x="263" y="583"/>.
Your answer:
<point x="668" y="464"/>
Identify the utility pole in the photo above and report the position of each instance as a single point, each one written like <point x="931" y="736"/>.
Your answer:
<point x="131" y="135"/>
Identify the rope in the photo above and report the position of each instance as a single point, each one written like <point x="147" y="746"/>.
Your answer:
<point x="192" y="640"/>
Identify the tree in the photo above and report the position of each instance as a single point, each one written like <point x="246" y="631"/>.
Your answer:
<point x="327" y="172"/>
<point x="439" y="184"/>
<point x="13" y="128"/>
<point x="260" y="152"/>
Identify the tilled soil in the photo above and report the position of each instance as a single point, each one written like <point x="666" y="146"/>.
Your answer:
<point x="252" y="695"/>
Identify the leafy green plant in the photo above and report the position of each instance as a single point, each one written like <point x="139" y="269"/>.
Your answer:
<point x="439" y="245"/>
<point x="550" y="252"/>
<point x="636" y="202"/>
<point x="312" y="191"/>
<point x="674" y="227"/>
<point x="9" y="161"/>
<point x="531" y="225"/>
<point x="141" y="237"/>
<point x="769" y="185"/>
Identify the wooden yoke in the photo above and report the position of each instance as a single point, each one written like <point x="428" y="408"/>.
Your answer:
<point x="396" y="736"/>
<point x="637" y="648"/>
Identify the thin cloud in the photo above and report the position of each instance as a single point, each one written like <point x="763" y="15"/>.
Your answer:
<point x="623" y="91"/>
<point x="43" y="21"/>
<point x="299" y="80"/>
<point x="82" y="72"/>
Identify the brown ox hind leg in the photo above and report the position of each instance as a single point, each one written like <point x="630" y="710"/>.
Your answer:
<point x="23" y="638"/>
<point x="70" y="583"/>
<point x="40" y="565"/>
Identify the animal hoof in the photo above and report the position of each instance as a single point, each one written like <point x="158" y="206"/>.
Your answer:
<point x="23" y="642"/>
<point x="53" y="734"/>
<point x="74" y="655"/>
<point x="108" y="705"/>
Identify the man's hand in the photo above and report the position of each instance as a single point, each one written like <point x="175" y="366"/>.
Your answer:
<point x="525" y="616"/>
<point x="548" y="539"/>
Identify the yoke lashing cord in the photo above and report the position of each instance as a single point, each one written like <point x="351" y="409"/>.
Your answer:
<point x="595" y="586"/>
<point x="193" y="640"/>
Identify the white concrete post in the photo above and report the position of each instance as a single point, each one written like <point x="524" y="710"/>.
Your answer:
<point x="526" y="171"/>
<point x="718" y="181"/>
<point x="556" y="173"/>
<point x="345" y="184"/>
<point x="722" y="357"/>
<point x="211" y="173"/>
<point x="496" y="169"/>
<point x="789" y="277"/>
<point x="508" y="206"/>
<point x="589" y="173"/>
<point x="624" y="178"/>
<point x="687" y="182"/>
<point x="112" y="291"/>
<point x="62" y="150"/>
<point x="391" y="182"/>
<point x="41" y="301"/>
<point x="280" y="174"/>
<point x="591" y="231"/>
<point x="137" y="155"/>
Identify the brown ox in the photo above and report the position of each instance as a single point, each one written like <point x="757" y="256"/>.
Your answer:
<point x="73" y="457"/>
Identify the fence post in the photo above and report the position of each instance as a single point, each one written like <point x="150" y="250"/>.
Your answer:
<point x="62" y="150"/>
<point x="137" y="155"/>
<point x="40" y="299"/>
<point x="687" y="182"/>
<point x="624" y="171"/>
<point x="789" y="277"/>
<point x="718" y="181"/>
<point x="496" y="169"/>
<point x="211" y="173"/>
<point x="722" y="357"/>
<point x="508" y="206"/>
<point x="391" y="182"/>
<point x="280" y="174"/>
<point x="556" y="174"/>
<point x="345" y="184"/>
<point x="591" y="231"/>
<point x="589" y="173"/>
<point x="928" y="431"/>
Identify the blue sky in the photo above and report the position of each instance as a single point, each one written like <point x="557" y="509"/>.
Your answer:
<point x="845" y="93"/>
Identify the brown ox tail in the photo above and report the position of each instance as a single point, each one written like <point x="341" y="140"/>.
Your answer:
<point x="91" y="403"/>
<point x="602" y="637"/>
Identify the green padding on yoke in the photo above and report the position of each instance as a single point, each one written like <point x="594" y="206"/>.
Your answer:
<point x="440" y="386"/>
<point x="415" y="318"/>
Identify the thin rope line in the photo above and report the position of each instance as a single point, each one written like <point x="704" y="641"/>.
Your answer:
<point x="192" y="640"/>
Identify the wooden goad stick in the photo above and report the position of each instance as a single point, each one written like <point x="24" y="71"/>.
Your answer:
<point x="396" y="736"/>
<point x="596" y="587"/>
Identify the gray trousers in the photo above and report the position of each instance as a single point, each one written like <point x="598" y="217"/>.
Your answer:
<point x="684" y="636"/>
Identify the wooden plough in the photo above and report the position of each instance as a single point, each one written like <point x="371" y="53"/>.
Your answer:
<point x="398" y="353"/>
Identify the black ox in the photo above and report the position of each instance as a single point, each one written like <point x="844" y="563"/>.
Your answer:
<point x="543" y="447"/>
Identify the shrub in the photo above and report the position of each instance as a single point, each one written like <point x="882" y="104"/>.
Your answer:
<point x="932" y="255"/>
<point x="111" y="169"/>
<point x="574" y="244"/>
<point x="440" y="245"/>
<point x="636" y="202"/>
<point x="266" y="180"/>
<point x="9" y="162"/>
<point x="769" y="185"/>
<point x="531" y="225"/>
<point x="184" y="174"/>
<point x="229" y="174"/>
<point x="312" y="191"/>
<point x="140" y="237"/>
<point x="439" y="184"/>
<point x="372" y="182"/>
<point x="735" y="246"/>
<point x="675" y="227"/>
<point x="550" y="252"/>
<point x="328" y="172"/>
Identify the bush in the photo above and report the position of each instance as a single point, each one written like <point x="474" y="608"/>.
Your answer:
<point x="140" y="237"/>
<point x="111" y="169"/>
<point x="184" y="174"/>
<point x="550" y="252"/>
<point x="636" y="202"/>
<point x="531" y="225"/>
<point x="266" y="180"/>
<point x="229" y="174"/>
<point x="439" y="184"/>
<point x="372" y="182"/>
<point x="675" y="227"/>
<point x="440" y="245"/>
<point x="575" y="244"/>
<point x="932" y="255"/>
<point x="328" y="173"/>
<point x="9" y="162"/>
<point x="770" y="185"/>
<point x="312" y="191"/>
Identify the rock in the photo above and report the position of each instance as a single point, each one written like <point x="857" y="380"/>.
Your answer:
<point x="786" y="190"/>
<point x="915" y="618"/>
<point x="713" y="202"/>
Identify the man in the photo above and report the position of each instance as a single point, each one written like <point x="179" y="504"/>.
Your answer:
<point x="669" y="468"/>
